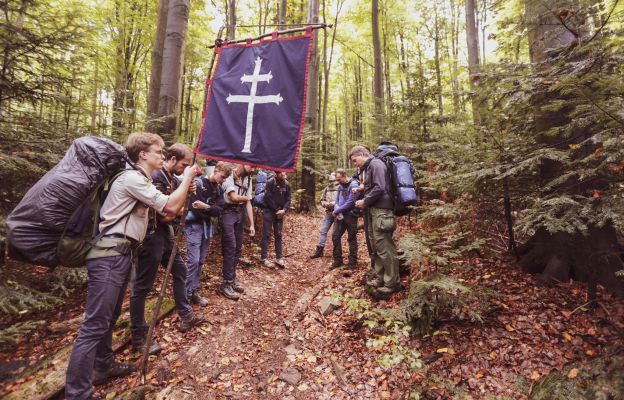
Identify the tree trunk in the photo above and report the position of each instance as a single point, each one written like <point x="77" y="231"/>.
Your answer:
<point x="595" y="256"/>
<point x="231" y="20"/>
<point x="436" y="42"/>
<point x="547" y="34"/>
<point x="173" y="59"/>
<point x="455" y="54"/>
<point x="308" y="182"/>
<point x="472" y="40"/>
<point x="282" y="12"/>
<point x="378" y="90"/>
<point x="156" y="68"/>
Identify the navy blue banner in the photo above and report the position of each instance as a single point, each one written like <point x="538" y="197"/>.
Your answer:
<point x="256" y="104"/>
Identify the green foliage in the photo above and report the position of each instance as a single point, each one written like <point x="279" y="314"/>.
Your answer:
<point x="437" y="295"/>
<point x="65" y="280"/>
<point x="393" y="344"/>
<point x="16" y="332"/>
<point x="20" y="299"/>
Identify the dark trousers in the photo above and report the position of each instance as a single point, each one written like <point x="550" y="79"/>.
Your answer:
<point x="232" y="224"/>
<point x="270" y="222"/>
<point x="108" y="278"/>
<point x="155" y="251"/>
<point x="348" y="224"/>
<point x="369" y="246"/>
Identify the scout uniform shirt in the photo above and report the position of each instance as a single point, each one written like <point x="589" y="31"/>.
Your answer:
<point x="242" y="187"/>
<point x="127" y="205"/>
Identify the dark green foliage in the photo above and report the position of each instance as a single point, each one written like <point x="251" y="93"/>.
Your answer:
<point x="16" y="298"/>
<point x="15" y="332"/>
<point x="65" y="280"/>
<point x="440" y="295"/>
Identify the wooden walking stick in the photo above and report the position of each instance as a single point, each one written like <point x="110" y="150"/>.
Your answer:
<point x="174" y="250"/>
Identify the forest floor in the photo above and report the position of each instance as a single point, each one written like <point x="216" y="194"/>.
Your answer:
<point x="295" y="334"/>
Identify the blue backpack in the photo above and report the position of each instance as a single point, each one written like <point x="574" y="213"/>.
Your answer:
<point x="401" y="172"/>
<point x="261" y="180"/>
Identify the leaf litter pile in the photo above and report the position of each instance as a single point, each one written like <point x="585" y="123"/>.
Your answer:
<point x="306" y="332"/>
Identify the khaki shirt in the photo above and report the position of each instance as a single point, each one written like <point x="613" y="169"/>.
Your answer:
<point x="131" y="193"/>
<point x="242" y="187"/>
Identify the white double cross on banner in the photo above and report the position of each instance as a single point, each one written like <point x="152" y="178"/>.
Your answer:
<point x="252" y="99"/>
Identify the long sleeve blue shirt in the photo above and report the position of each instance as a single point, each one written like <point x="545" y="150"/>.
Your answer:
<point x="345" y="199"/>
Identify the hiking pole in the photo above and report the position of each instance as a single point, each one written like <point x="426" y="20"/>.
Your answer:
<point x="174" y="250"/>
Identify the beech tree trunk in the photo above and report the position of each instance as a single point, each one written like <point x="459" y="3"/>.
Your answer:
<point x="592" y="257"/>
<point x="156" y="68"/>
<point x="308" y="181"/>
<point x="173" y="59"/>
<point x="231" y="19"/>
<point x="378" y="89"/>
<point x="472" y="39"/>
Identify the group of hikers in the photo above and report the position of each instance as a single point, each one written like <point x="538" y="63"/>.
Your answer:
<point x="140" y="215"/>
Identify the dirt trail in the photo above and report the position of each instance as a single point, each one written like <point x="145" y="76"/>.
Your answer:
<point x="245" y="345"/>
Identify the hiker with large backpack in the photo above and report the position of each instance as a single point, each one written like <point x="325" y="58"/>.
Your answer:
<point x="379" y="205"/>
<point x="124" y="216"/>
<point x="206" y="204"/>
<point x="156" y="250"/>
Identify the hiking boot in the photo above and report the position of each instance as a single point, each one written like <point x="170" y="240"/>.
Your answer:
<point x="188" y="322"/>
<point x="280" y="263"/>
<point x="238" y="288"/>
<point x="116" y="370"/>
<point x="336" y="264"/>
<point x="388" y="290"/>
<point x="227" y="290"/>
<point x="139" y="340"/>
<point x="267" y="263"/>
<point x="195" y="298"/>
<point x="318" y="253"/>
<point x="370" y="274"/>
<point x="375" y="282"/>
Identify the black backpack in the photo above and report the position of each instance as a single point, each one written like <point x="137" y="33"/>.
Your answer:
<point x="56" y="221"/>
<point x="400" y="171"/>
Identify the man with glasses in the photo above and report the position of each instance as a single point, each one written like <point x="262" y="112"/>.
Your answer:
<point x="156" y="250"/>
<point x="327" y="201"/>
<point x="124" y="215"/>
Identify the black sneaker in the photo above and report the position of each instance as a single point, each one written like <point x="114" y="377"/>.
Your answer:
<point x="238" y="288"/>
<point x="187" y="323"/>
<point x="335" y="264"/>
<point x="227" y="290"/>
<point x="116" y="370"/>
<point x="138" y="344"/>
<point x="318" y="252"/>
<point x="197" y="299"/>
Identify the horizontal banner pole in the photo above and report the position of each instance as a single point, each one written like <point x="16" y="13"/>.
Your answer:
<point x="303" y="27"/>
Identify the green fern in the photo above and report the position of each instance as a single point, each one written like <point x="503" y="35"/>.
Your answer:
<point x="20" y="299"/>
<point x="15" y="332"/>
